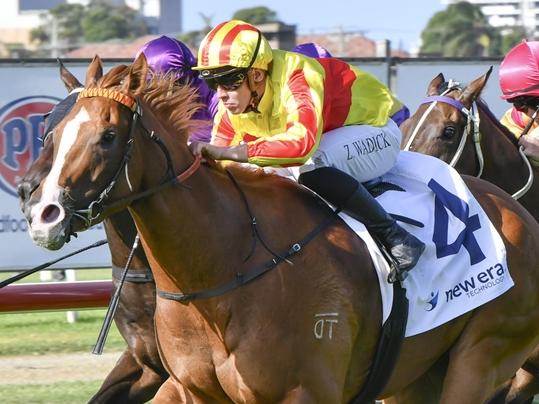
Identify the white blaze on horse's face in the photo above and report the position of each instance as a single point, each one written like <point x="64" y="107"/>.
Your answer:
<point x="47" y="215"/>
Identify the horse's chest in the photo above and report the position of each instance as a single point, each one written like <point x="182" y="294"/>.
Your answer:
<point x="196" y="354"/>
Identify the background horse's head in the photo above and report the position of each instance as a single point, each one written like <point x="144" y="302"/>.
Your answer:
<point x="445" y="120"/>
<point x="93" y="144"/>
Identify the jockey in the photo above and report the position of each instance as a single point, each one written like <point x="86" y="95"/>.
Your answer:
<point x="165" y="55"/>
<point x="281" y="108"/>
<point x="519" y="82"/>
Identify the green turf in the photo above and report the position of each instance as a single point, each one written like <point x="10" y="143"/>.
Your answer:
<point x="32" y="333"/>
<point x="66" y="392"/>
<point x="41" y="333"/>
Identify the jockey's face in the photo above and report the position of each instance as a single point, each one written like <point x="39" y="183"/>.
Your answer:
<point x="235" y="100"/>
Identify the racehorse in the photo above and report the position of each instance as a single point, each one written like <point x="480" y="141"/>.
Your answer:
<point x="473" y="141"/>
<point x="456" y="125"/>
<point x="209" y="229"/>
<point x="139" y="373"/>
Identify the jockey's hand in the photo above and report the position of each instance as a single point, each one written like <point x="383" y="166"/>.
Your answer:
<point x="234" y="153"/>
<point x="531" y="146"/>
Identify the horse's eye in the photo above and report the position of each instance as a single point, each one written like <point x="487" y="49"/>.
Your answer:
<point x="449" y="132"/>
<point x="108" y="137"/>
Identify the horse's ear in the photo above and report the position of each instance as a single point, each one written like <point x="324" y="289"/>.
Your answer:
<point x="115" y="76"/>
<point x="136" y="76"/>
<point x="435" y="84"/>
<point x="70" y="81"/>
<point x="94" y="72"/>
<point x="473" y="90"/>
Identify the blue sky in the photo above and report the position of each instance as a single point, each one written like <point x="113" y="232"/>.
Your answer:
<point x="400" y="21"/>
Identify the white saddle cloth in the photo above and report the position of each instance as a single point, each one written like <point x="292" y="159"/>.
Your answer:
<point x="464" y="264"/>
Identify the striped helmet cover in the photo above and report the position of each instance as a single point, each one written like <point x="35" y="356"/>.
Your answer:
<point x="232" y="43"/>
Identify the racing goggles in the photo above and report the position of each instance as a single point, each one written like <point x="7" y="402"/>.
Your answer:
<point x="228" y="82"/>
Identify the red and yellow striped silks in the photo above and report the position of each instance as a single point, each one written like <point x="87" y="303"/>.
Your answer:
<point x="303" y="99"/>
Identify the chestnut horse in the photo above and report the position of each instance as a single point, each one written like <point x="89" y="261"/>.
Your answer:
<point x="139" y="373"/>
<point x="476" y="143"/>
<point x="488" y="150"/>
<point x="123" y="144"/>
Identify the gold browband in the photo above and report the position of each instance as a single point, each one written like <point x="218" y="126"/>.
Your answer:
<point x="123" y="99"/>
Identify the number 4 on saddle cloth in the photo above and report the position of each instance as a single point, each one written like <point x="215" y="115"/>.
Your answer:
<point x="464" y="264"/>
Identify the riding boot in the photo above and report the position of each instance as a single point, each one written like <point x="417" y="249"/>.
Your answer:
<point x="403" y="246"/>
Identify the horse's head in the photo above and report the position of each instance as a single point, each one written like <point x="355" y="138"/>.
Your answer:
<point x="101" y="151"/>
<point x="445" y="121"/>
<point x="82" y="153"/>
<point x="42" y="165"/>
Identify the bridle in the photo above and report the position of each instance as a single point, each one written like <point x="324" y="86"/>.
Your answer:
<point x="97" y="208"/>
<point x="472" y="125"/>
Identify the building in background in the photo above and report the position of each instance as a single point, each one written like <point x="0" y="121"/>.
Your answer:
<point x="170" y="17"/>
<point x="509" y="13"/>
<point x="279" y="34"/>
<point x="352" y="44"/>
<point x="19" y="17"/>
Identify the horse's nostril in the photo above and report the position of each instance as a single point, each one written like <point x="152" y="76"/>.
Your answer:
<point x="50" y="213"/>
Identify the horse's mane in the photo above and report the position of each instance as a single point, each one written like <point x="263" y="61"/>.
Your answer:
<point x="171" y="102"/>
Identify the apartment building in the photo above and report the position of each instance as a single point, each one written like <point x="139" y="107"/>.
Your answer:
<point x="509" y="13"/>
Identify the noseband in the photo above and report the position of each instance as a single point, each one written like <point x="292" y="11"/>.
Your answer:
<point x="96" y="207"/>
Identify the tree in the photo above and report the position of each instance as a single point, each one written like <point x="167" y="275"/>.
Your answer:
<point x="193" y="38"/>
<point x="68" y="18"/>
<point x="461" y="30"/>
<point x="103" y="21"/>
<point x="512" y="38"/>
<point x="255" y="15"/>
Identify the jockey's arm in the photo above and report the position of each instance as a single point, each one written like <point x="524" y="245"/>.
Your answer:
<point x="302" y="106"/>
<point x="234" y="153"/>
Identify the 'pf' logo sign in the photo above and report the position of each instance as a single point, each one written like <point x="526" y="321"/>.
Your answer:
<point x="21" y="126"/>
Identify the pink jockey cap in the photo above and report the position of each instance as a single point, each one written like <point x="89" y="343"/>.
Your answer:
<point x="519" y="71"/>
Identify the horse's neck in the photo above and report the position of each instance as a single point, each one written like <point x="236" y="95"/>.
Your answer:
<point x="503" y="163"/>
<point x="183" y="226"/>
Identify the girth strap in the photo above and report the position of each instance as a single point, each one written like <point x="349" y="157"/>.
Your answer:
<point x="142" y="275"/>
<point x="388" y="349"/>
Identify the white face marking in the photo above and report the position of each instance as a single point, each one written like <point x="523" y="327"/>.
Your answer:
<point x="51" y="189"/>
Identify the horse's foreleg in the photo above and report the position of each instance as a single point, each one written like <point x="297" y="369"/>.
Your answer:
<point x="524" y="386"/>
<point x="128" y="382"/>
<point x="477" y="370"/>
<point x="172" y="391"/>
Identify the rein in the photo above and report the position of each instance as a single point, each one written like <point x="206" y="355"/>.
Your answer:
<point x="97" y="208"/>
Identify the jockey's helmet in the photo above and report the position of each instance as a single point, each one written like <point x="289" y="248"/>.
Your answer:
<point x="519" y="71"/>
<point x="232" y="47"/>
<point x="168" y="55"/>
